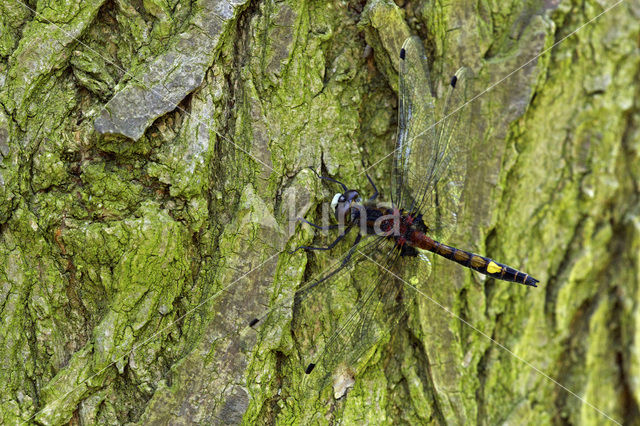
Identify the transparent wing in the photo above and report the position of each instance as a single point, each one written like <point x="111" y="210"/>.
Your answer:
<point x="322" y="283"/>
<point x="333" y="337"/>
<point x="430" y="157"/>
<point x="415" y="115"/>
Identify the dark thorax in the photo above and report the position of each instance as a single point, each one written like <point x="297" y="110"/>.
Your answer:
<point x="375" y="218"/>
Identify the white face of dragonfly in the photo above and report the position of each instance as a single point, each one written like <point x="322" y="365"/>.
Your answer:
<point x="334" y="202"/>
<point x="342" y="204"/>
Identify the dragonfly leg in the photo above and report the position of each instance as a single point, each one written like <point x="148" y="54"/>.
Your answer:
<point x="343" y="264"/>
<point x="330" y="246"/>
<point x="331" y="180"/>
<point x="351" y="250"/>
<point x="375" y="190"/>
<point x="322" y="228"/>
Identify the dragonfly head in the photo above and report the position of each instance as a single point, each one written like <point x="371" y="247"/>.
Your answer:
<point x="342" y="204"/>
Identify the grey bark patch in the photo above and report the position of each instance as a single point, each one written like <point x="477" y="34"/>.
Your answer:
<point x="163" y="83"/>
<point x="235" y="406"/>
<point x="4" y="142"/>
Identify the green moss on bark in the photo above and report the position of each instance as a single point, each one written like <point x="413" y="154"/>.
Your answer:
<point x="126" y="289"/>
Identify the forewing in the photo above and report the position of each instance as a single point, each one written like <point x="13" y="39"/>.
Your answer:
<point x="415" y="116"/>
<point x="430" y="161"/>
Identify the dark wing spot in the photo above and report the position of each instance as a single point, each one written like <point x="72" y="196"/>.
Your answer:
<point x="406" y="250"/>
<point x="403" y="53"/>
<point x="454" y="80"/>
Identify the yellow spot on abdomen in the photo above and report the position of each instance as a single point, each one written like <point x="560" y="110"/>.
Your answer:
<point x="493" y="268"/>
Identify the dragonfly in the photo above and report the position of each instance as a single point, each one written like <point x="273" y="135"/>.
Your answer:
<point x="429" y="166"/>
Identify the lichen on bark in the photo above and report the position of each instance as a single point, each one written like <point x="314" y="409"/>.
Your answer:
<point x="153" y="161"/>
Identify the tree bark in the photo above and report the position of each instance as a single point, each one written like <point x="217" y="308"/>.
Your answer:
<point x="153" y="164"/>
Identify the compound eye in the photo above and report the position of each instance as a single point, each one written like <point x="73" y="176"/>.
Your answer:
<point x="342" y="199"/>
